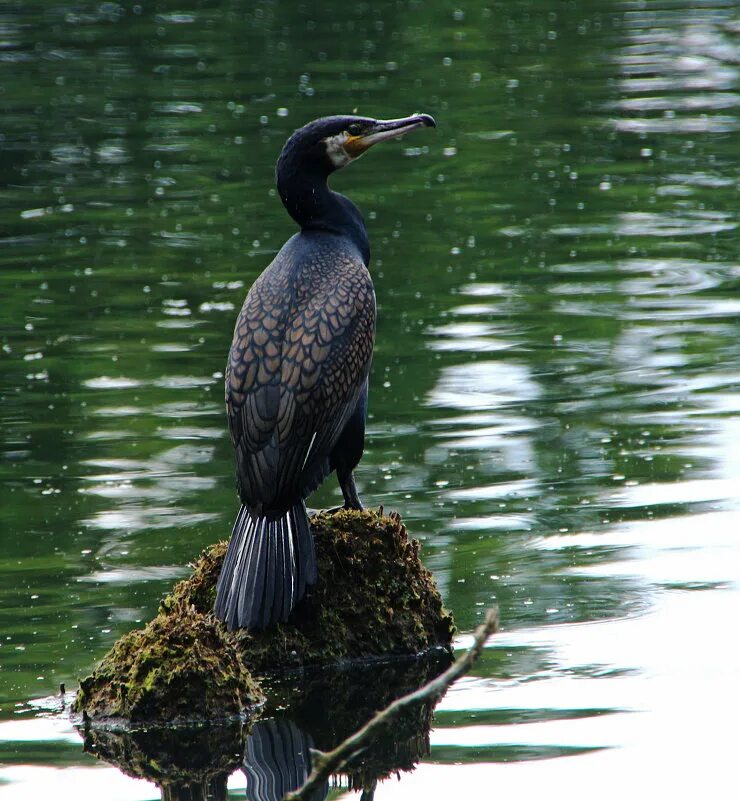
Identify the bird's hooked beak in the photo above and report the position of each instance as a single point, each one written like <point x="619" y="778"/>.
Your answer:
<point x="382" y="130"/>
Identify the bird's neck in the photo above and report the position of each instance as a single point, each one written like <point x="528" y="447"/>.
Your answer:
<point x="309" y="201"/>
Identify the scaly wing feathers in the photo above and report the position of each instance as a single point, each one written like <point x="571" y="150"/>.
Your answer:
<point x="296" y="368"/>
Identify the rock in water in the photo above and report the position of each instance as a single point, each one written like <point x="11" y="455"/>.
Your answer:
<point x="180" y="667"/>
<point x="373" y="598"/>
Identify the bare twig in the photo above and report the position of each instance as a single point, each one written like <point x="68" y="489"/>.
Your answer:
<point x="324" y="763"/>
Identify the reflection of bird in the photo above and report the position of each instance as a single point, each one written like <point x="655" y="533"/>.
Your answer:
<point x="277" y="761"/>
<point x="296" y="380"/>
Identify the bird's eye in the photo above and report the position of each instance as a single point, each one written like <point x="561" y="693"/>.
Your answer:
<point x="355" y="129"/>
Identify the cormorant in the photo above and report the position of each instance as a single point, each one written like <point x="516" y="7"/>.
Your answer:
<point x="297" y="374"/>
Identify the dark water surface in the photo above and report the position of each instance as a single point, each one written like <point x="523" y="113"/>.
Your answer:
<point x="554" y="394"/>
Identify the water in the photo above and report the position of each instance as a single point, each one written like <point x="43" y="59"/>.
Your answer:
<point x="554" y="393"/>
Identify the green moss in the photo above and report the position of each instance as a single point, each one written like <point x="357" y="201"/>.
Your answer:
<point x="373" y="598"/>
<point x="179" y="667"/>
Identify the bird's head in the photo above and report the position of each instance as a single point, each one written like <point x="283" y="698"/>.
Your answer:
<point x="315" y="151"/>
<point x="329" y="143"/>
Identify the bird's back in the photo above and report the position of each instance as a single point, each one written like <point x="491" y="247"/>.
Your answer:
<point x="299" y="359"/>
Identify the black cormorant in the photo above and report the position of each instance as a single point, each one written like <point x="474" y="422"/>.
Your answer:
<point x="297" y="375"/>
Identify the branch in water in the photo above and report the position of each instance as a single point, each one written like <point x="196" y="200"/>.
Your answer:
<point x="324" y="763"/>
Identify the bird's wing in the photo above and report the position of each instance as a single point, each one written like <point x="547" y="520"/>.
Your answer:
<point x="293" y="379"/>
<point x="252" y="386"/>
<point x="326" y="361"/>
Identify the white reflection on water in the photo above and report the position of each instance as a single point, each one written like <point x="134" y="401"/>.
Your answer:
<point x="73" y="783"/>
<point x="134" y="573"/>
<point x="482" y="385"/>
<point x="109" y="382"/>
<point x="693" y="550"/>
<point x="132" y="519"/>
<point x="679" y="492"/>
<point x="474" y="336"/>
<point x="643" y="223"/>
<point x="678" y="66"/>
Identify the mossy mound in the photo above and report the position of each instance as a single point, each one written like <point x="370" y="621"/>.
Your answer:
<point x="180" y="667"/>
<point x="373" y="598"/>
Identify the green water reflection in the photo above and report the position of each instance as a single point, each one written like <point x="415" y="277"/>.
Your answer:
<point x="554" y="390"/>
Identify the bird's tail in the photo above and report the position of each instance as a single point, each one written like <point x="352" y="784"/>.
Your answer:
<point x="269" y="563"/>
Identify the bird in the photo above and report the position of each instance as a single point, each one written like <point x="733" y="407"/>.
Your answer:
<point x="296" y="380"/>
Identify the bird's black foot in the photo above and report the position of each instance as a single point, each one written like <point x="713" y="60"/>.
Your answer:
<point x="357" y="507"/>
<point x="349" y="490"/>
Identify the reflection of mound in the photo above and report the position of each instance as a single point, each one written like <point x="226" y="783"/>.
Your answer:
<point x="188" y="764"/>
<point x="277" y="760"/>
<point x="333" y="704"/>
<point x="323" y="708"/>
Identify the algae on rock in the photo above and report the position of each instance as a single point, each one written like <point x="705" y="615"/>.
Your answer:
<point x="373" y="598"/>
<point x="179" y="667"/>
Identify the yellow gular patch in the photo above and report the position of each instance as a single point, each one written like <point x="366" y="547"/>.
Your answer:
<point x="355" y="146"/>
